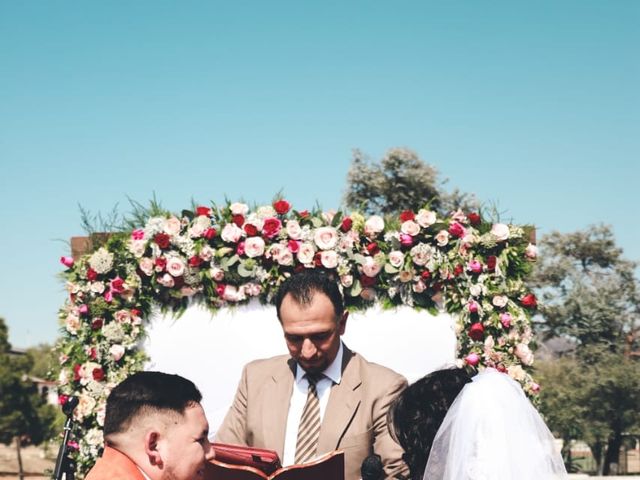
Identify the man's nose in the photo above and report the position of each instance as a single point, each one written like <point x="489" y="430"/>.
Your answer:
<point x="209" y="451"/>
<point x="308" y="349"/>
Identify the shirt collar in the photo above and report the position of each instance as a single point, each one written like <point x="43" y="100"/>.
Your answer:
<point x="333" y="372"/>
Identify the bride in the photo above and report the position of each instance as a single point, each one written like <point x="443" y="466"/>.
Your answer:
<point x="454" y="427"/>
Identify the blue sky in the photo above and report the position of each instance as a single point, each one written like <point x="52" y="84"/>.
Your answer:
<point x="533" y="106"/>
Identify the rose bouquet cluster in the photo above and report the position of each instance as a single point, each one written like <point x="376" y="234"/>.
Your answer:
<point x="225" y="256"/>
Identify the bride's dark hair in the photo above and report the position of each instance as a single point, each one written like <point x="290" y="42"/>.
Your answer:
<point x="417" y="413"/>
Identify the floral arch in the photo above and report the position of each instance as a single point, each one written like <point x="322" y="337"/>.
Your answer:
<point x="225" y="256"/>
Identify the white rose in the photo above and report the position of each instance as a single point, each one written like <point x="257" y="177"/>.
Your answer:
<point x="373" y="225"/>
<point x="231" y="233"/>
<point x="326" y="237"/>
<point x="100" y="413"/>
<point x="328" y="216"/>
<point x="306" y="253"/>
<point x="442" y="238"/>
<point x="254" y="247"/>
<point x="516" y="372"/>
<point x="252" y="289"/>
<point x="233" y="294"/>
<point x="175" y="266"/>
<point x="207" y="253"/>
<point x="346" y="280"/>
<point x="410" y="228"/>
<point x="524" y="354"/>
<point x="63" y="377"/>
<point x="116" y="351"/>
<point x="86" y="403"/>
<point x="294" y="231"/>
<point x="146" y="265"/>
<point x="500" y="301"/>
<point x="421" y="253"/>
<point x="199" y="226"/>
<point x="172" y="226"/>
<point x="396" y="258"/>
<point x="239" y="208"/>
<point x="329" y="259"/>
<point x="285" y="257"/>
<point x="370" y="268"/>
<point x="500" y="231"/>
<point x="137" y="247"/>
<point x="425" y="218"/>
<point x="97" y="287"/>
<point x="166" y="280"/>
<point x="275" y="251"/>
<point x="266" y="211"/>
<point x="475" y="290"/>
<point x="217" y="274"/>
<point x="72" y="324"/>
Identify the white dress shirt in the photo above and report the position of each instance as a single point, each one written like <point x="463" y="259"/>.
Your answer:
<point x="332" y="374"/>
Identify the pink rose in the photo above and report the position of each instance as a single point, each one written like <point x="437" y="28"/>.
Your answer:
<point x="531" y="252"/>
<point x="442" y="238"/>
<point x="175" y="266"/>
<point x="172" y="226"/>
<point x="472" y="359"/>
<point x="231" y="233"/>
<point x="370" y="268"/>
<point x="505" y="319"/>
<point x="116" y="351"/>
<point x="137" y="234"/>
<point x="329" y="259"/>
<point x="524" y="354"/>
<point x="472" y="306"/>
<point x="67" y="261"/>
<point x="306" y="253"/>
<point x="83" y="309"/>
<point x="500" y="231"/>
<point x="325" y="237"/>
<point x="294" y="230"/>
<point x="146" y="265"/>
<point x="285" y="257"/>
<point x="166" y="280"/>
<point x="373" y="225"/>
<point x="254" y="247"/>
<point x="410" y="228"/>
<point x="474" y="266"/>
<point x="457" y="230"/>
<point x="217" y="274"/>
<point x="396" y="258"/>
<point x="406" y="240"/>
<point x="425" y="218"/>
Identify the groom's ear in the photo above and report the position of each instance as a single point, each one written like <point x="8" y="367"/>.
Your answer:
<point x="151" y="450"/>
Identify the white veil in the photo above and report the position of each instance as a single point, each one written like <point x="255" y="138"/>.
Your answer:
<point x="493" y="432"/>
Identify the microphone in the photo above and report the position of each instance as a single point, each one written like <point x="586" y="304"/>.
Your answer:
<point x="65" y="466"/>
<point x="371" y="468"/>
<point x="70" y="405"/>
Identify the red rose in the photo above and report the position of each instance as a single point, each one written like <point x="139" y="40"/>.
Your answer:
<point x="426" y="275"/>
<point x="474" y="218"/>
<point x="346" y="224"/>
<point x="98" y="374"/>
<point x="195" y="261"/>
<point x="476" y="332"/>
<point x="282" y="206"/>
<point x="240" y="248"/>
<point x="161" y="263"/>
<point x="93" y="353"/>
<point x="76" y="372"/>
<point x="458" y="269"/>
<point x="294" y="246"/>
<point x="117" y="285"/>
<point x="373" y="248"/>
<point x="529" y="300"/>
<point x="271" y="227"/>
<point x="96" y="324"/>
<point x="62" y="399"/>
<point x="250" y="229"/>
<point x="407" y="215"/>
<point x="457" y="230"/>
<point x="304" y="214"/>
<point x="238" y="220"/>
<point x="209" y="233"/>
<point x="367" y="281"/>
<point x="491" y="262"/>
<point x="204" y="211"/>
<point x="162" y="239"/>
<point x="135" y="312"/>
<point x="91" y="274"/>
<point x="501" y="368"/>
<point x="317" y="259"/>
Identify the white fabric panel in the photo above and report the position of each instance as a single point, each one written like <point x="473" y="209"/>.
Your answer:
<point x="211" y="350"/>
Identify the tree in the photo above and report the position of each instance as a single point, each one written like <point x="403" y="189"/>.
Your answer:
<point x="401" y="181"/>
<point x="24" y="416"/>
<point x="590" y="297"/>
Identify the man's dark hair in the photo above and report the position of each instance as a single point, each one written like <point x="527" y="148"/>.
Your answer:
<point x="147" y="391"/>
<point x="303" y="285"/>
<point x="418" y="412"/>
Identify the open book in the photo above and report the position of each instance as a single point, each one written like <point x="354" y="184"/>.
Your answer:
<point x="245" y="463"/>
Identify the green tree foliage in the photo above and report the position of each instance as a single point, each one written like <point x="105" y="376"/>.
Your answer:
<point x="590" y="297"/>
<point x="24" y="416"/>
<point x="401" y="181"/>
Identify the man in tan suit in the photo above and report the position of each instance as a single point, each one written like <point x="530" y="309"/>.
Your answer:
<point x="154" y="429"/>
<point x="349" y="395"/>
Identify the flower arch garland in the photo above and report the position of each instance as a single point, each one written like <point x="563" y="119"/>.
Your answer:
<point x="224" y="256"/>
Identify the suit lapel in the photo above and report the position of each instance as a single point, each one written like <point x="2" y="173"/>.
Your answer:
<point x="344" y="401"/>
<point x="276" y="408"/>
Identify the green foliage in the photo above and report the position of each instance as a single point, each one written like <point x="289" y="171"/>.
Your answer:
<point x="401" y="181"/>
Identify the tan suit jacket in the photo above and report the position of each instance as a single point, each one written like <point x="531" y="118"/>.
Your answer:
<point x="355" y="420"/>
<point x="114" y="465"/>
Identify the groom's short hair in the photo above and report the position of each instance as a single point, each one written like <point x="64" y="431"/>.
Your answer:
<point x="304" y="285"/>
<point x="144" y="393"/>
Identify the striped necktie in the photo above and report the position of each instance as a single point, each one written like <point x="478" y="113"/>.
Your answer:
<point x="309" y="427"/>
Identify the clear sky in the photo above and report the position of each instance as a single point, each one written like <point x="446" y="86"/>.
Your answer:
<point x="534" y="106"/>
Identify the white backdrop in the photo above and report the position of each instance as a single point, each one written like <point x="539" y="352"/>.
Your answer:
<point x="211" y="350"/>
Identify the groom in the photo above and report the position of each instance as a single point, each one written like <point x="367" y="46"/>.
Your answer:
<point x="322" y="396"/>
